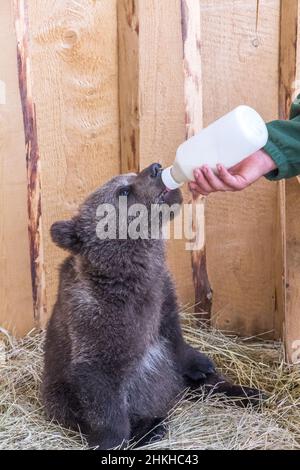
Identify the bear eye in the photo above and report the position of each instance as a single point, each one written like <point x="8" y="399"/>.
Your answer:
<point x="124" y="191"/>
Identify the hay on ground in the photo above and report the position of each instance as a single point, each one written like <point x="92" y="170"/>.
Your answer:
<point x="208" y="423"/>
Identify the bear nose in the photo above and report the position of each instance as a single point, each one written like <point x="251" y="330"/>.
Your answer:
<point x="155" y="169"/>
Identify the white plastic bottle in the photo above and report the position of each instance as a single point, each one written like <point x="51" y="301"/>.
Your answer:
<point x="228" y="140"/>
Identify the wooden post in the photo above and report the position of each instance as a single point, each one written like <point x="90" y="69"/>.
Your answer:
<point x="191" y="31"/>
<point x="287" y="55"/>
<point x="289" y="73"/>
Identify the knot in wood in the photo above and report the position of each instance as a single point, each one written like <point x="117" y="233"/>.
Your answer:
<point x="69" y="38"/>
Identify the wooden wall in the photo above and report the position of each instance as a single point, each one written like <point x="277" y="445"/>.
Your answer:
<point x="95" y="87"/>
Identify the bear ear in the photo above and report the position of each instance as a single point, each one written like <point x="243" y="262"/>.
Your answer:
<point x="64" y="234"/>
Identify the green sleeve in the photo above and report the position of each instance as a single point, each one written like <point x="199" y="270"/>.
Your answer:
<point x="283" y="145"/>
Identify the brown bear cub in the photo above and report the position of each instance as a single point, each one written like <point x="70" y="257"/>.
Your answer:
<point x="115" y="358"/>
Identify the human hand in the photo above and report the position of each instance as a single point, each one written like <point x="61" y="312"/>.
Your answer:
<point x="236" y="178"/>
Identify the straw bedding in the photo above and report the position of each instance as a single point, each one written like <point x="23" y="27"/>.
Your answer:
<point x="208" y="423"/>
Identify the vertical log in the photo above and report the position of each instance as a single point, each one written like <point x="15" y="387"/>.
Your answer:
<point x="289" y="74"/>
<point x="191" y="30"/>
<point x="32" y="163"/>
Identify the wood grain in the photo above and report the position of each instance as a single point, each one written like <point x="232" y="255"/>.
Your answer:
<point x="129" y="104"/>
<point x="191" y="37"/>
<point x="152" y="101"/>
<point x="33" y="166"/>
<point x="75" y="90"/>
<point x="15" y="285"/>
<point x="288" y="83"/>
<point x="288" y="55"/>
<point x="69" y="54"/>
<point x="292" y="321"/>
<point x="239" y="45"/>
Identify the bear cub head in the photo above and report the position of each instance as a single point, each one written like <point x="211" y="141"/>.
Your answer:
<point x="121" y="212"/>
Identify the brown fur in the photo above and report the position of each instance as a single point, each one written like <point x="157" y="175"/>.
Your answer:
<point x="115" y="358"/>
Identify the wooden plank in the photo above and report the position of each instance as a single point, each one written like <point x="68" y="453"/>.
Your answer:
<point x="152" y="106"/>
<point x="287" y="71"/>
<point x="191" y="30"/>
<point x="15" y="286"/>
<point x="73" y="53"/>
<point x="128" y="35"/>
<point x="288" y="83"/>
<point x="292" y="322"/>
<point x="34" y="205"/>
<point x="288" y="55"/>
<point x="239" y="57"/>
<point x="280" y="261"/>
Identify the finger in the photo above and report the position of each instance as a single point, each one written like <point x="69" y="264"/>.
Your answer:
<point x="235" y="182"/>
<point x="196" y="191"/>
<point x="214" y="181"/>
<point x="202" y="182"/>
